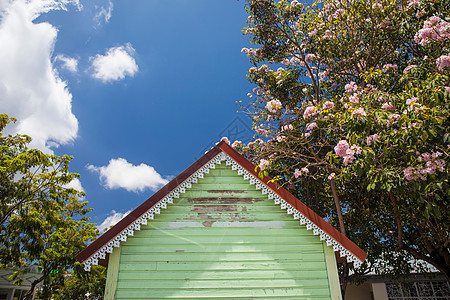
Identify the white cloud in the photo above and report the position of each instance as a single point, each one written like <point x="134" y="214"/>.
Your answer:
<point x="112" y="220"/>
<point x="104" y="13"/>
<point x="68" y="63"/>
<point x="121" y="174"/>
<point x="115" y="65"/>
<point x="30" y="89"/>
<point x="75" y="184"/>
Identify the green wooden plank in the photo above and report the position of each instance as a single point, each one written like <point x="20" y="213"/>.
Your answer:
<point x="230" y="231"/>
<point x="229" y="216"/>
<point x="216" y="284"/>
<point x="228" y="188"/>
<point x="204" y="240"/>
<point x="224" y="274"/>
<point x="231" y="292"/>
<point x="190" y="193"/>
<point x="291" y="223"/>
<point x="223" y="265"/>
<point x="220" y="206"/>
<point x="149" y="297"/>
<point x="230" y="256"/>
<point x="139" y="248"/>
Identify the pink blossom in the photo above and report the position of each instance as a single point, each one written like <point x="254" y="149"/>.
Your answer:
<point x="443" y="62"/>
<point x="377" y="5"/>
<point x="263" y="164"/>
<point x="434" y="29"/>
<point x="355" y="150"/>
<point x="388" y="106"/>
<point x="236" y="143"/>
<point x="273" y="106"/>
<point x="311" y="126"/>
<point x="287" y="127"/>
<point x="351" y="87"/>
<point x="225" y="139"/>
<point x="411" y="101"/>
<point x="280" y="138"/>
<point x="432" y="164"/>
<point x="394" y="117"/>
<point x="328" y="105"/>
<point x="359" y="113"/>
<point x="354" y="98"/>
<point x="303" y="171"/>
<point x="341" y="148"/>
<point x="447" y="88"/>
<point x="420" y="13"/>
<point x="328" y="34"/>
<point x="312" y="33"/>
<point x="387" y="67"/>
<point x="348" y="159"/>
<point x="409" y="68"/>
<point x="309" y="112"/>
<point x="331" y="176"/>
<point x="412" y="3"/>
<point x="310" y="57"/>
<point x="262" y="131"/>
<point x="372" y="138"/>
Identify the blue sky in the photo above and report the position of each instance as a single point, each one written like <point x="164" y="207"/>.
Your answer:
<point x="136" y="90"/>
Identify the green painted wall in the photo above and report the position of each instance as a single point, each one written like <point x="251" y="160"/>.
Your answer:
<point x="222" y="239"/>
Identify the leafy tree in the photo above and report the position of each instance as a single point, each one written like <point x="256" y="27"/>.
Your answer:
<point x="79" y="282"/>
<point x="41" y="218"/>
<point x="351" y="109"/>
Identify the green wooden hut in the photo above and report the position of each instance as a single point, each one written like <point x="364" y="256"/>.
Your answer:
<point x="218" y="231"/>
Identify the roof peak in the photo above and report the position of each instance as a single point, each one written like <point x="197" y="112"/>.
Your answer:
<point x="99" y="249"/>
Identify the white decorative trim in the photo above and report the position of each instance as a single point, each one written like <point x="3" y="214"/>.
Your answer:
<point x="181" y="189"/>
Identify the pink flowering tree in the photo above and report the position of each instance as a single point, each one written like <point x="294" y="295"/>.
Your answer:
<point x="350" y="110"/>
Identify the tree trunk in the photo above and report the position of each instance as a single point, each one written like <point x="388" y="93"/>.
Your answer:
<point x="345" y="274"/>
<point x="29" y="294"/>
<point x="338" y="207"/>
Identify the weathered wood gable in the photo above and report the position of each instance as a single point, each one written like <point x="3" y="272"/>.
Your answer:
<point x="223" y="239"/>
<point x="219" y="231"/>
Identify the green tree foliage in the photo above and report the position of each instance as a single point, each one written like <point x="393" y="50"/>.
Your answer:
<point x="351" y="108"/>
<point x="79" y="282"/>
<point x="41" y="218"/>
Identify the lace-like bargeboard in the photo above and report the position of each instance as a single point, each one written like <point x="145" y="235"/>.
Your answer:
<point x="218" y="159"/>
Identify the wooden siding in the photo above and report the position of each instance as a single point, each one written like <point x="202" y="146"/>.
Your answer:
<point x="111" y="276"/>
<point x="222" y="239"/>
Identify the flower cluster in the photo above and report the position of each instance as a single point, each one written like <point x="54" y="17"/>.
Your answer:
<point x="388" y="106"/>
<point x="310" y="111"/>
<point x="388" y="67"/>
<point x="287" y="127"/>
<point x="434" y="29"/>
<point x="408" y="68"/>
<point x="351" y="87"/>
<point x="344" y="150"/>
<point x="263" y="164"/>
<point x="328" y="105"/>
<point x="372" y="138"/>
<point x="443" y="62"/>
<point x="359" y="113"/>
<point x="413" y="105"/>
<point x="273" y="106"/>
<point x="236" y="144"/>
<point x="432" y="163"/>
<point x="311" y="126"/>
<point x="226" y="140"/>
<point x="301" y="172"/>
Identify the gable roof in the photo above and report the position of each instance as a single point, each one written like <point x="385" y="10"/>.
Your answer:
<point x="100" y="248"/>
